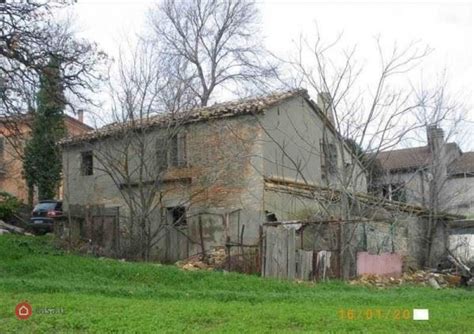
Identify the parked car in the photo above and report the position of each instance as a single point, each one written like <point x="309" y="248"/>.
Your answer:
<point x="44" y="214"/>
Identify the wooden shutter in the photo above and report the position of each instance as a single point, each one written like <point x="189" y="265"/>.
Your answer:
<point x="161" y="154"/>
<point x="181" y="149"/>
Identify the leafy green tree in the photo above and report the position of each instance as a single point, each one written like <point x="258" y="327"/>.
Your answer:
<point x="42" y="164"/>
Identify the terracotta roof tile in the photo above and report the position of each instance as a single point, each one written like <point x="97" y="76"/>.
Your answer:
<point x="408" y="158"/>
<point x="227" y="109"/>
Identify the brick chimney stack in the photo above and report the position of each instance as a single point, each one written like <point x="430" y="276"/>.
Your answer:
<point x="435" y="137"/>
<point x="439" y="162"/>
<point x="80" y="115"/>
<point x="325" y="104"/>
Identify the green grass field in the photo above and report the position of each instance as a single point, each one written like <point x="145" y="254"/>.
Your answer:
<point x="108" y="296"/>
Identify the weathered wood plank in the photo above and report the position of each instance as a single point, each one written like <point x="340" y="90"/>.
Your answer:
<point x="280" y="258"/>
<point x="281" y="253"/>
<point x="305" y="265"/>
<point x="269" y="237"/>
<point x="291" y="254"/>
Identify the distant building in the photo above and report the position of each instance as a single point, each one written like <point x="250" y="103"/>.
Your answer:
<point x="14" y="131"/>
<point x="409" y="174"/>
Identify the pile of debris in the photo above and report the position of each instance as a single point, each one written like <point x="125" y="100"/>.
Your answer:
<point x="8" y="228"/>
<point x="213" y="259"/>
<point x="436" y="280"/>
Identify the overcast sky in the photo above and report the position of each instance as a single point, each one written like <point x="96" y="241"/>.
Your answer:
<point x="444" y="26"/>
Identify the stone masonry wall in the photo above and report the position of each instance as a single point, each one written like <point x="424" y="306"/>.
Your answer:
<point x="221" y="186"/>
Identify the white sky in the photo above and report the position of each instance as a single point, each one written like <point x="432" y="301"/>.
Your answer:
<point x="444" y="26"/>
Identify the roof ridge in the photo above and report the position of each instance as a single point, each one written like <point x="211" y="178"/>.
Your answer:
<point x="242" y="106"/>
<point x="404" y="149"/>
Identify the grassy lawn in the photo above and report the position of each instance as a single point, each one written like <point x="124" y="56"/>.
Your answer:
<point x="102" y="296"/>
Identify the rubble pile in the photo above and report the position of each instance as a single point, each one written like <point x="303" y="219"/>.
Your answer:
<point x="436" y="280"/>
<point x="213" y="259"/>
<point x="8" y="228"/>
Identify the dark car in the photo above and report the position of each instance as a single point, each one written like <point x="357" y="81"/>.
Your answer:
<point x="44" y="215"/>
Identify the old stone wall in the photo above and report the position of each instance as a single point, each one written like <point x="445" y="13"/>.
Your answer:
<point x="220" y="186"/>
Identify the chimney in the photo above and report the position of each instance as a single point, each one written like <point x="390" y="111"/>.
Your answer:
<point x="80" y="115"/>
<point x="325" y="104"/>
<point x="435" y="137"/>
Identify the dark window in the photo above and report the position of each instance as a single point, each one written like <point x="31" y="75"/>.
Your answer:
<point x="394" y="192"/>
<point x="386" y="191"/>
<point x="463" y="206"/>
<point x="271" y="217"/>
<point x="87" y="163"/>
<point x="399" y="192"/>
<point x="329" y="157"/>
<point x="46" y="206"/>
<point x="177" y="215"/>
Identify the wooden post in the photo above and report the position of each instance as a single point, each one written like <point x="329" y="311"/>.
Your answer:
<point x="227" y="250"/>
<point x="291" y="253"/>
<point x="268" y="251"/>
<point x="241" y="248"/>
<point x="339" y="249"/>
<point x="302" y="237"/>
<point x="261" y="263"/>
<point x="305" y="267"/>
<point x="226" y="226"/>
<point x="203" y="249"/>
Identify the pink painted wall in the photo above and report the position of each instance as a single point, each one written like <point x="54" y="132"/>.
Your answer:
<point x="385" y="264"/>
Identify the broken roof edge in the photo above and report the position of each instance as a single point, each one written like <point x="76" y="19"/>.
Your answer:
<point x="386" y="204"/>
<point x="245" y="106"/>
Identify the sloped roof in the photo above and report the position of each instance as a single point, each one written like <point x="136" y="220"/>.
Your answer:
<point x="464" y="164"/>
<point x="408" y="158"/>
<point x="249" y="106"/>
<point x="405" y="158"/>
<point x="20" y="124"/>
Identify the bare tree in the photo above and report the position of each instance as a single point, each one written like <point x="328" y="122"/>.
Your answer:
<point x="142" y="155"/>
<point x="359" y="122"/>
<point x="443" y="116"/>
<point x="428" y="181"/>
<point x="29" y="36"/>
<point x="376" y="119"/>
<point x="213" y="43"/>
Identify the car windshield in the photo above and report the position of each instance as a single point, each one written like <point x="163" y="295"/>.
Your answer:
<point x="45" y="206"/>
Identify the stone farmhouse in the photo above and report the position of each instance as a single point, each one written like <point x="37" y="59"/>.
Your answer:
<point x="225" y="173"/>
<point x="221" y="167"/>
